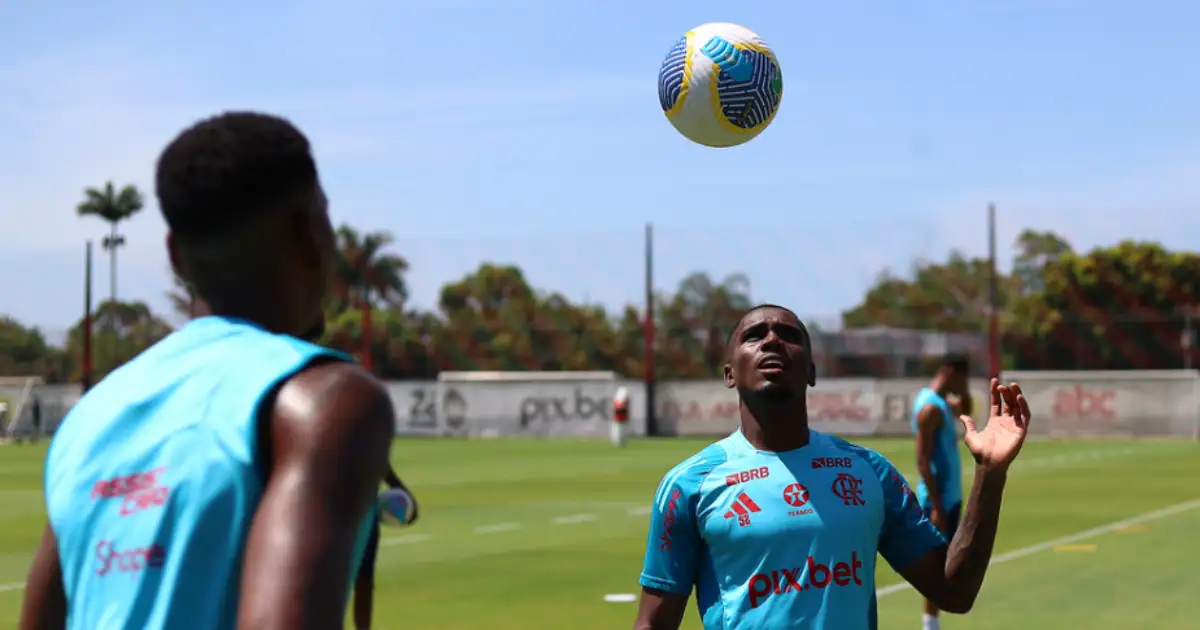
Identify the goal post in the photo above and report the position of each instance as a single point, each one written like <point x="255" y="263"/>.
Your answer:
<point x="16" y="417"/>
<point x="499" y="404"/>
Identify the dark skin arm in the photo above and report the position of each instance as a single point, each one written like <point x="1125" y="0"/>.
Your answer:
<point x="331" y="429"/>
<point x="950" y="577"/>
<point x="929" y="420"/>
<point x="45" y="606"/>
<point x="660" y="610"/>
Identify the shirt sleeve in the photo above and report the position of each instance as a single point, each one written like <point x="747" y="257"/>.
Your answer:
<point x="673" y="544"/>
<point x="907" y="534"/>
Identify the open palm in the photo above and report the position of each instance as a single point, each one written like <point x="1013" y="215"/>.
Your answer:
<point x="997" y="445"/>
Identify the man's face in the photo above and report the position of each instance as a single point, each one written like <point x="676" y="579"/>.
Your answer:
<point x="769" y="353"/>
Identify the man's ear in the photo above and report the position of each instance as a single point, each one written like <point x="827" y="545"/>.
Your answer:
<point x="729" y="382"/>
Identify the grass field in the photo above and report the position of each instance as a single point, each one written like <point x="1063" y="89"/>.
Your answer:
<point x="526" y="534"/>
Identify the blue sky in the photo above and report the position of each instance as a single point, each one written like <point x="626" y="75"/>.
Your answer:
<point x="528" y="131"/>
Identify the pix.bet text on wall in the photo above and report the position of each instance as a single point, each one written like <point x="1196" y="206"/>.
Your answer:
<point x="1152" y="403"/>
<point x="1116" y="404"/>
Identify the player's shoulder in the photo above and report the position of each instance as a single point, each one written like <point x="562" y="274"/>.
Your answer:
<point x="328" y="400"/>
<point x="876" y="460"/>
<point x="687" y="476"/>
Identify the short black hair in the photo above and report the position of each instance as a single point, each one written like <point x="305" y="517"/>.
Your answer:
<point x="958" y="362"/>
<point x="759" y="307"/>
<point x="228" y="169"/>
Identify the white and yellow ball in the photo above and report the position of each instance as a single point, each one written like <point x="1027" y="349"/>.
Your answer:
<point x="720" y="85"/>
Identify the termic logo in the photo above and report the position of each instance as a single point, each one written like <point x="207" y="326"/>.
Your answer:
<point x="812" y="575"/>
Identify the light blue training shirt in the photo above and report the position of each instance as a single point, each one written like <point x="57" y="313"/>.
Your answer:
<point x="946" y="465"/>
<point x="783" y="540"/>
<point x="153" y="479"/>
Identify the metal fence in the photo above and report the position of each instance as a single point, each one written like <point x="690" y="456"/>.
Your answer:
<point x="1066" y="404"/>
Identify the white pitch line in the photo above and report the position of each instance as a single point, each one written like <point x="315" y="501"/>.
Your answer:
<point x="407" y="539"/>
<point x="574" y="518"/>
<point x="1066" y="540"/>
<point x="15" y="586"/>
<point x="497" y="528"/>
<point x="638" y="511"/>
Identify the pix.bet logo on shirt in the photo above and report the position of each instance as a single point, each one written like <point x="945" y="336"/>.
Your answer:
<point x="811" y="575"/>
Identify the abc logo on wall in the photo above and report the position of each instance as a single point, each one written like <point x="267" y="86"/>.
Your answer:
<point x="720" y="85"/>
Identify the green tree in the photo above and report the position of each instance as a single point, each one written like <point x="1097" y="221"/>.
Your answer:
<point x="947" y="297"/>
<point x="695" y="321"/>
<point x="366" y="271"/>
<point x="25" y="352"/>
<point x="1116" y="307"/>
<point x="121" y="331"/>
<point x="1036" y="250"/>
<point x="114" y="206"/>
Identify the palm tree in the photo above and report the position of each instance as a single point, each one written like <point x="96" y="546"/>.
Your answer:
<point x="364" y="271"/>
<point x="113" y="206"/>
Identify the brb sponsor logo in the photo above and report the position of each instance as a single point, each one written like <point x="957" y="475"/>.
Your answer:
<point x="733" y="479"/>
<point x="139" y="491"/>
<point x="812" y="575"/>
<point x="832" y="462"/>
<point x="833" y="406"/>
<point x="131" y="561"/>
<point x="669" y="520"/>
<point x="1081" y="404"/>
<point x="579" y="407"/>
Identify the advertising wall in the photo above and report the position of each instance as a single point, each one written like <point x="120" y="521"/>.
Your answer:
<point x="1117" y="404"/>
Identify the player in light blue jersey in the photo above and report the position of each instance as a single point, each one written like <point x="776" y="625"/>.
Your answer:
<point x="934" y="421"/>
<point x="777" y="526"/>
<point x="226" y="477"/>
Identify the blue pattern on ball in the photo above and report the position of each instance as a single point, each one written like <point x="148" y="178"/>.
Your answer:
<point x="729" y="58"/>
<point x="749" y="95"/>
<point x="670" y="75"/>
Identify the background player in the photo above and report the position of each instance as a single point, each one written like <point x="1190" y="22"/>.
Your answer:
<point x="364" y="583"/>
<point x="940" y="487"/>
<point x="778" y="526"/>
<point x="222" y="478"/>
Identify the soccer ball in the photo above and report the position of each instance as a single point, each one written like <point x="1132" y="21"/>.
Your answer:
<point x="720" y="85"/>
<point x="396" y="507"/>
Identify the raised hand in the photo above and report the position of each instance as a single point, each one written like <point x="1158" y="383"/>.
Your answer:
<point x="998" y="444"/>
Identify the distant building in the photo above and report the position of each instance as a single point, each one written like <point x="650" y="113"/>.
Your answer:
<point x="882" y="352"/>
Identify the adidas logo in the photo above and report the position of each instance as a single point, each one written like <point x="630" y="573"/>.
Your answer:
<point x="743" y="506"/>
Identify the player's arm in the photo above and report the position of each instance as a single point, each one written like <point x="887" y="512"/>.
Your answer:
<point x="949" y="575"/>
<point x="45" y="606"/>
<point x="929" y="420"/>
<point x="331" y="428"/>
<point x="672" y="556"/>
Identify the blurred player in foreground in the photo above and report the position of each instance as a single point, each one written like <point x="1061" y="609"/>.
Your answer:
<point x="777" y="526"/>
<point x="222" y="478"/>
<point x="940" y="488"/>
<point x="403" y="509"/>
